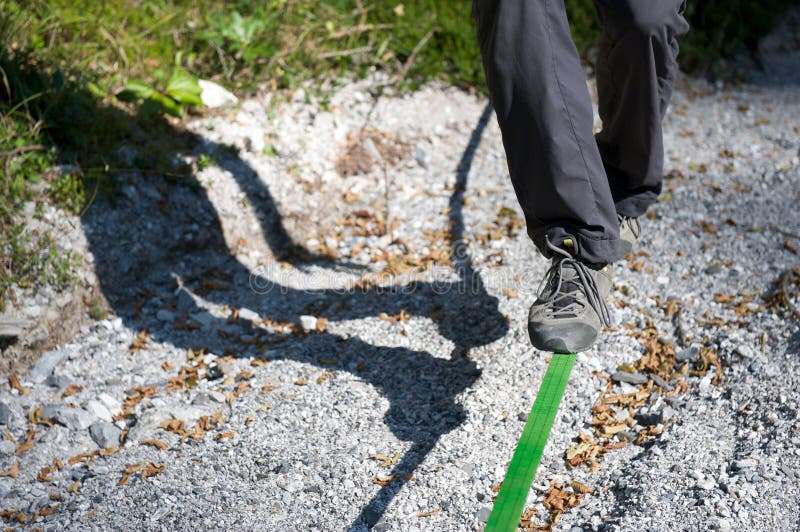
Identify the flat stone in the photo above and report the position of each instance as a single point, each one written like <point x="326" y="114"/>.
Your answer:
<point x="105" y="434"/>
<point x="98" y="409"/>
<point x="667" y="413"/>
<point x="74" y="418"/>
<point x="660" y="381"/>
<point x="687" y="355"/>
<point x="249" y="315"/>
<point x="483" y="514"/>
<point x="58" y="381"/>
<point x="745" y="463"/>
<point x="45" y="366"/>
<point x="111" y="403"/>
<point x="7" y="414"/>
<point x="203" y="318"/>
<point x="165" y="315"/>
<point x="630" y="378"/>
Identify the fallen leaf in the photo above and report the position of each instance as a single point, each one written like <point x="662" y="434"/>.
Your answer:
<point x="10" y="515"/>
<point x="430" y="512"/>
<point x="140" y="342"/>
<point x="325" y="376"/>
<point x="511" y="294"/>
<point x="72" y="389"/>
<point x="789" y="245"/>
<point x="27" y="445"/>
<point x="44" y="475"/>
<point x="44" y="512"/>
<point x="386" y="461"/>
<point x="224" y="435"/>
<point x="301" y="382"/>
<point x="12" y="472"/>
<point x="35" y="417"/>
<point x="167" y="366"/>
<point x="13" y="381"/>
<point x="156" y="443"/>
<point x="151" y="469"/>
<point x="384" y="481"/>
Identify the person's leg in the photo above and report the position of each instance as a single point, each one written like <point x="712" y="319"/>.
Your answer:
<point x="539" y="93"/>
<point x="636" y="70"/>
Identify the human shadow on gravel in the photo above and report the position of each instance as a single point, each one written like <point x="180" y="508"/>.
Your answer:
<point x="161" y="248"/>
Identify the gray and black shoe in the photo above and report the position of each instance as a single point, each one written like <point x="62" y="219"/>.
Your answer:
<point x="570" y="310"/>
<point x="629" y="231"/>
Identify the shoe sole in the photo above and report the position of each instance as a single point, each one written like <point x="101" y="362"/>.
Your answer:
<point x="574" y="338"/>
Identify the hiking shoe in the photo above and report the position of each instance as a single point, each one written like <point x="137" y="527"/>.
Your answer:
<point x="570" y="310"/>
<point x="629" y="230"/>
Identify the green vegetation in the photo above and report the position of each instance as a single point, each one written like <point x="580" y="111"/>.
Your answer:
<point x="82" y="79"/>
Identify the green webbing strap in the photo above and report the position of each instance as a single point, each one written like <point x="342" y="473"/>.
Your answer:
<point x="511" y="500"/>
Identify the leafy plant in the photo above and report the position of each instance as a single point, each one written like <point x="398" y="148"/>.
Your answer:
<point x="182" y="90"/>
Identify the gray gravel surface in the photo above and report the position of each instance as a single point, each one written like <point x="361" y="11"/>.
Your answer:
<point x="258" y="340"/>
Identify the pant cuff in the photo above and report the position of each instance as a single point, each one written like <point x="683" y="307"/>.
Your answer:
<point x="589" y="246"/>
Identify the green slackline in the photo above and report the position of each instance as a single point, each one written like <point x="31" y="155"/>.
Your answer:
<point x="514" y="491"/>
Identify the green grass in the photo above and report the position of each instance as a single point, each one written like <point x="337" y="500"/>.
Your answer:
<point x="67" y="65"/>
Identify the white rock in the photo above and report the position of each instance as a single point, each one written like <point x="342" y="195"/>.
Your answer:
<point x="97" y="409"/>
<point x="308" y="323"/>
<point x="214" y="95"/>
<point x="112" y="404"/>
<point x="249" y="315"/>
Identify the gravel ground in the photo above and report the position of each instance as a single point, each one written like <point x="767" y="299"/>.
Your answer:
<point x="326" y="330"/>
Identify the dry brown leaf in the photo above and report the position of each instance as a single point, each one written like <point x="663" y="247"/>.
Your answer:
<point x="12" y="472"/>
<point x="72" y="389"/>
<point x="156" y="443"/>
<point x="44" y="475"/>
<point x="140" y="342"/>
<point x="384" y="481"/>
<point x="27" y="445"/>
<point x="10" y="515"/>
<point x="35" y="417"/>
<point x="44" y="512"/>
<point x="173" y="425"/>
<point x="13" y="381"/>
<point x="151" y="469"/>
<point x="325" y="376"/>
<point x="167" y="366"/>
<point x="386" y="461"/>
<point x="301" y="382"/>
<point x="74" y="487"/>
<point x="511" y="294"/>
<point x="224" y="435"/>
<point x="430" y="512"/>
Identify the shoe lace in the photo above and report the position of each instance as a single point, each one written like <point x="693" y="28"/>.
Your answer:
<point x="562" y="300"/>
<point x="633" y="223"/>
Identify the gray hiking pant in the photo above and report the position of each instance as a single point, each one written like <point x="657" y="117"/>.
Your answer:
<point x="570" y="183"/>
